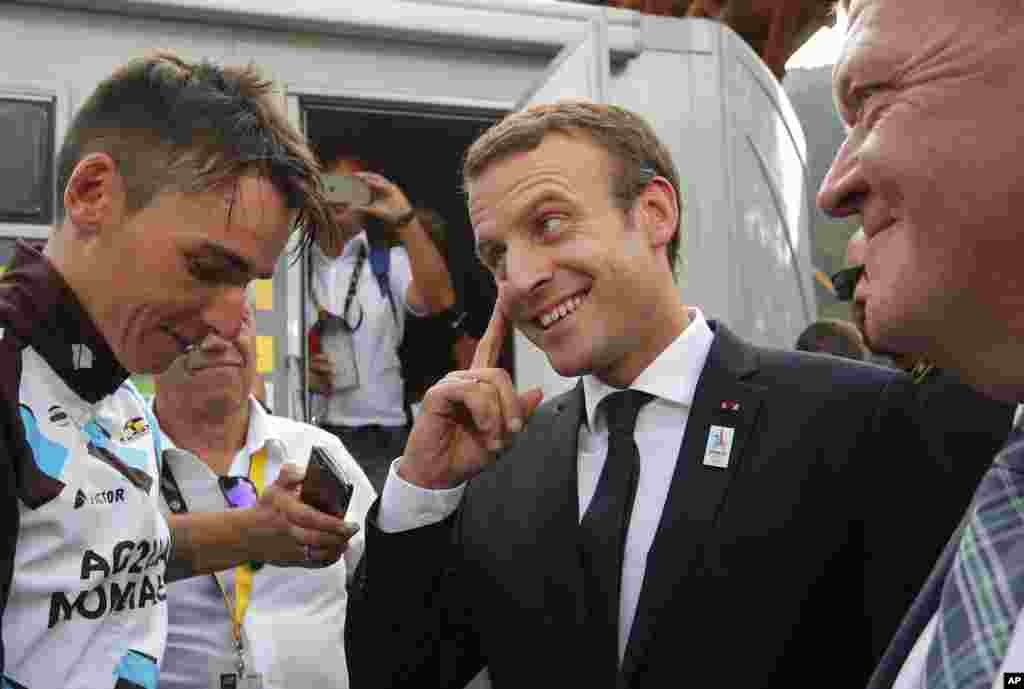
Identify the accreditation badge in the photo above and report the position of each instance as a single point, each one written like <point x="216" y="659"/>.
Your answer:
<point x="336" y="340"/>
<point x="224" y="675"/>
<point x="719" y="446"/>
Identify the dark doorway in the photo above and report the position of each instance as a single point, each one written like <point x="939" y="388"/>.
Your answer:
<point x="420" y="149"/>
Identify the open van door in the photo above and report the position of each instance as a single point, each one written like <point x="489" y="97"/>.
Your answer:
<point x="578" y="71"/>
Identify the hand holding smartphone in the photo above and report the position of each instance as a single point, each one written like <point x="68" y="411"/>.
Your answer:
<point x="324" y="487"/>
<point x="347" y="189"/>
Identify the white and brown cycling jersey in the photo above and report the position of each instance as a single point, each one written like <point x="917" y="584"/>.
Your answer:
<point x="82" y="593"/>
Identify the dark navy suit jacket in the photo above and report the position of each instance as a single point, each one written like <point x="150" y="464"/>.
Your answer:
<point x="793" y="564"/>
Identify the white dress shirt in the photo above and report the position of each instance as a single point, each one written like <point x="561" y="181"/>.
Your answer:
<point x="293" y="628"/>
<point x="378" y="400"/>
<point x="672" y="379"/>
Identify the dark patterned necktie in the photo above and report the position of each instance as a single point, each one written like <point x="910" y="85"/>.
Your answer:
<point x="984" y="590"/>
<point x="603" y="527"/>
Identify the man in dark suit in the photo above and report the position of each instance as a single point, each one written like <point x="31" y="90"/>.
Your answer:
<point x="741" y="532"/>
<point x="931" y="93"/>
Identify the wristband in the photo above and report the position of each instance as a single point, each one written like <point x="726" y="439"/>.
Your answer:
<point x="454" y="318"/>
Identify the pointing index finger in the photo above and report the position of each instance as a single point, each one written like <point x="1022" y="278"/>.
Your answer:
<point x="489" y="347"/>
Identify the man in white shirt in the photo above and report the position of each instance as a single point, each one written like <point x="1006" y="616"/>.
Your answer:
<point x="360" y="310"/>
<point x="290" y="620"/>
<point x="931" y="94"/>
<point x="693" y="513"/>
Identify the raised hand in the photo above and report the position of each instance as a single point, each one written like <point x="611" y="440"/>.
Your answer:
<point x="291" y="532"/>
<point x="467" y="417"/>
<point x="321" y="373"/>
<point x="389" y="201"/>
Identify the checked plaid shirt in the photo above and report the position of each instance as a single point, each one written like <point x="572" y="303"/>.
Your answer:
<point x="984" y="589"/>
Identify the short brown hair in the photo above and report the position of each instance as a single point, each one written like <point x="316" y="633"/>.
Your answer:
<point x="636" y="153"/>
<point x="833" y="336"/>
<point x="172" y="124"/>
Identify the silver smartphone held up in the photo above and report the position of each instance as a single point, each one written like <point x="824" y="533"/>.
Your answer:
<point x="347" y="189"/>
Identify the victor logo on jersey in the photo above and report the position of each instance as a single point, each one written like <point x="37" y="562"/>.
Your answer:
<point x="102" y="497"/>
<point x="136" y="558"/>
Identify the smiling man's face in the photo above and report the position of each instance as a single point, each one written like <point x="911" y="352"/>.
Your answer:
<point x="178" y="269"/>
<point x="217" y="375"/>
<point x="931" y="93"/>
<point x="585" y="281"/>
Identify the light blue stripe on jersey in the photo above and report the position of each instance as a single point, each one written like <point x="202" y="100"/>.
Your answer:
<point x="137" y="669"/>
<point x="137" y="459"/>
<point x="158" y="436"/>
<point x="50" y="456"/>
<point x="6" y="683"/>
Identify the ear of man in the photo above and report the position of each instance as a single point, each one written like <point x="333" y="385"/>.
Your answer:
<point x="94" y="196"/>
<point x="658" y="211"/>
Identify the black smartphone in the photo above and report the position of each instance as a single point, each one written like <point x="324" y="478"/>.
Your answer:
<point x="324" y="487"/>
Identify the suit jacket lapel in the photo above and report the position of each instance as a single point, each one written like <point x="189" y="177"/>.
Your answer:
<point x="917" y="618"/>
<point x="927" y="602"/>
<point x="697" y="491"/>
<point x="555" y="513"/>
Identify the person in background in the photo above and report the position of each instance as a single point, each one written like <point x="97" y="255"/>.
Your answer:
<point x="438" y="344"/>
<point x="833" y="336"/>
<point x="179" y="183"/>
<point x="226" y="450"/>
<point x="360" y="302"/>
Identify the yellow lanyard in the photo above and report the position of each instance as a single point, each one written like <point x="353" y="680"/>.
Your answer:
<point x="244" y="572"/>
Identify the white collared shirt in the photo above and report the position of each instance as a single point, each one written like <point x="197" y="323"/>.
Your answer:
<point x="378" y="400"/>
<point x="672" y="379"/>
<point x="295" y="621"/>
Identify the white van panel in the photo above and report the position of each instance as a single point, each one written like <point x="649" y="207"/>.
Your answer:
<point x="80" y="48"/>
<point x="745" y="255"/>
<point x="741" y="154"/>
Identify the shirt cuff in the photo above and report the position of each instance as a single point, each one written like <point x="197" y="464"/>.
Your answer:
<point x="404" y="506"/>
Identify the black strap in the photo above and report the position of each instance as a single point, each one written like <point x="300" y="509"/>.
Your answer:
<point x="385" y="288"/>
<point x="175" y="499"/>
<point x="383" y="282"/>
<point x="353" y="285"/>
<point x="170" y="488"/>
<point x="380" y="263"/>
